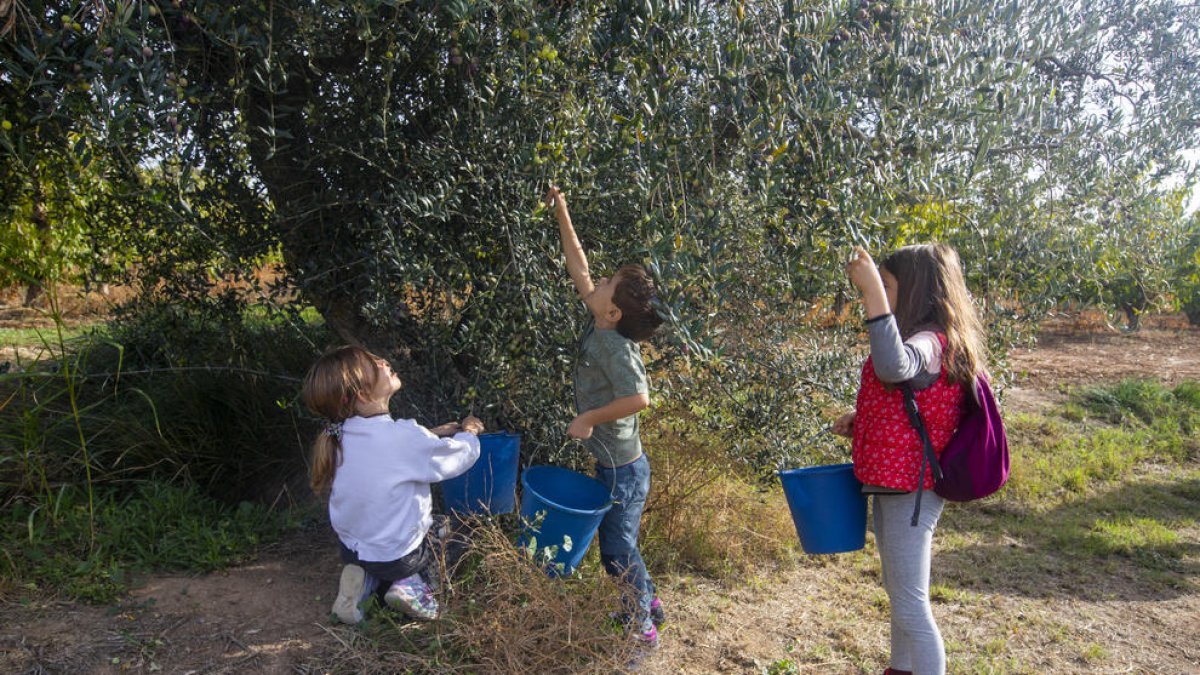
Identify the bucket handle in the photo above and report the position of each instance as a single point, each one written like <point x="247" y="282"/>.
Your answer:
<point x="612" y="498"/>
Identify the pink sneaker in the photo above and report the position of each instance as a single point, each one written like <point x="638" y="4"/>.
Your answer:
<point x="648" y="637"/>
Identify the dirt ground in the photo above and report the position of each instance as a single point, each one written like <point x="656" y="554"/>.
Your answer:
<point x="271" y="616"/>
<point x="747" y="629"/>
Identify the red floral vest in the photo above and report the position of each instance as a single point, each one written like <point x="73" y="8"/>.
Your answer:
<point x="886" y="448"/>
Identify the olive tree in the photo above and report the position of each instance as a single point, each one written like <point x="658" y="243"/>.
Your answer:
<point x="394" y="154"/>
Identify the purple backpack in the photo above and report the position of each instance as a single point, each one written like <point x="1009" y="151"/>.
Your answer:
<point x="974" y="464"/>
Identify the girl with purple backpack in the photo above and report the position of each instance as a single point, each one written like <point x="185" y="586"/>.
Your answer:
<point x="926" y="337"/>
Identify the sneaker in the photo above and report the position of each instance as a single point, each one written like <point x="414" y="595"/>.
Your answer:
<point x="351" y="590"/>
<point x="648" y="637"/>
<point x="657" y="615"/>
<point x="413" y="597"/>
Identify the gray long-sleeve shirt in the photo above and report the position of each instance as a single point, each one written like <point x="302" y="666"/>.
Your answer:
<point x="917" y="360"/>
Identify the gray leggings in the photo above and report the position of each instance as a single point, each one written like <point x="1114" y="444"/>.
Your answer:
<point x="905" y="553"/>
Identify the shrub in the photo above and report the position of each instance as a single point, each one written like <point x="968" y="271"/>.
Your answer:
<point x="705" y="513"/>
<point x="205" y="399"/>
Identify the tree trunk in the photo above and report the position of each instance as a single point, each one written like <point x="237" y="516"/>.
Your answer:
<point x="36" y="291"/>
<point x="1133" y="316"/>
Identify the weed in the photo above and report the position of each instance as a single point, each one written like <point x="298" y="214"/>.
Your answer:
<point x="704" y="515"/>
<point x="783" y="667"/>
<point x="1147" y="403"/>
<point x="155" y="526"/>
<point x="1092" y="653"/>
<point x="1188" y="393"/>
<point x="503" y="614"/>
<point x="950" y="594"/>
<point x="1143" y="400"/>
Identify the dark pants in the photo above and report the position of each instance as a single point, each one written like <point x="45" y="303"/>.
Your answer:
<point x="439" y="542"/>
<point x="619" y="530"/>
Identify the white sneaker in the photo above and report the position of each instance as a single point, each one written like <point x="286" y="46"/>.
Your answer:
<point x="351" y="590"/>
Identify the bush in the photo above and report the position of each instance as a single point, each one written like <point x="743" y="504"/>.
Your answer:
<point x="706" y="513"/>
<point x="194" y="398"/>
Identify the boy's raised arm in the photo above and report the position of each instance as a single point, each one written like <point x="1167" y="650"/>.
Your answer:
<point x="577" y="264"/>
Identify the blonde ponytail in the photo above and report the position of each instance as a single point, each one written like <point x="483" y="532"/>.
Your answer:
<point x="325" y="458"/>
<point x="330" y="391"/>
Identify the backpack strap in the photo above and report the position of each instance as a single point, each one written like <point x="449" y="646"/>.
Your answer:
<point x="928" y="456"/>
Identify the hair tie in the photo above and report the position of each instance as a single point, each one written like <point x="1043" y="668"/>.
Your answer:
<point x="334" y="430"/>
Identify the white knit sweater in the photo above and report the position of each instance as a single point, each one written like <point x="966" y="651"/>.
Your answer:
<point x="380" y="504"/>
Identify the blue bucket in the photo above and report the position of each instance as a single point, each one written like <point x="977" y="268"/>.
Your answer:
<point x="561" y="508"/>
<point x="828" y="507"/>
<point x="490" y="486"/>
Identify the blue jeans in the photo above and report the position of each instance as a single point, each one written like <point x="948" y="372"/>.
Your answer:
<point x="629" y="484"/>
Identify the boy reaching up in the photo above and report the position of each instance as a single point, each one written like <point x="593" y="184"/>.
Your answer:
<point x="610" y="390"/>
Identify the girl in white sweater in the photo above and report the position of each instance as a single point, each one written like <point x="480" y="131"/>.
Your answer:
<point x="377" y="472"/>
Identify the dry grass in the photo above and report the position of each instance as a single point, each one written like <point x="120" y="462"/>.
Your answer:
<point x="513" y="618"/>
<point x="503" y="615"/>
<point x="704" y="516"/>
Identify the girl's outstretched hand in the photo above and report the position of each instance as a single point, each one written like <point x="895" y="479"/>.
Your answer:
<point x="862" y="271"/>
<point x="447" y="429"/>
<point x="865" y="276"/>
<point x="844" y="425"/>
<point x="472" y="425"/>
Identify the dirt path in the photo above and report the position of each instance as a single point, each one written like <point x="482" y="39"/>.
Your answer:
<point x="268" y="616"/>
<point x="271" y="616"/>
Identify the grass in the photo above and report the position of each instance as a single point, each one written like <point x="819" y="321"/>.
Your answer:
<point x="42" y="336"/>
<point x="1102" y="508"/>
<point x="157" y="526"/>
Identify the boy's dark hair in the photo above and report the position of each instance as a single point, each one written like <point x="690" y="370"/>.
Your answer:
<point x="634" y="295"/>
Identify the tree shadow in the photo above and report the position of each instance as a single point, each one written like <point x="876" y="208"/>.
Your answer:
<point x="1124" y="544"/>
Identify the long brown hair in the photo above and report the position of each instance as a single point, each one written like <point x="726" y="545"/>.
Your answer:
<point x="331" y="390"/>
<point x="931" y="294"/>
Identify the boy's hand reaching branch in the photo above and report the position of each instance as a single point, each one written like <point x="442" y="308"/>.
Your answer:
<point x="577" y="264"/>
<point x="557" y="203"/>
